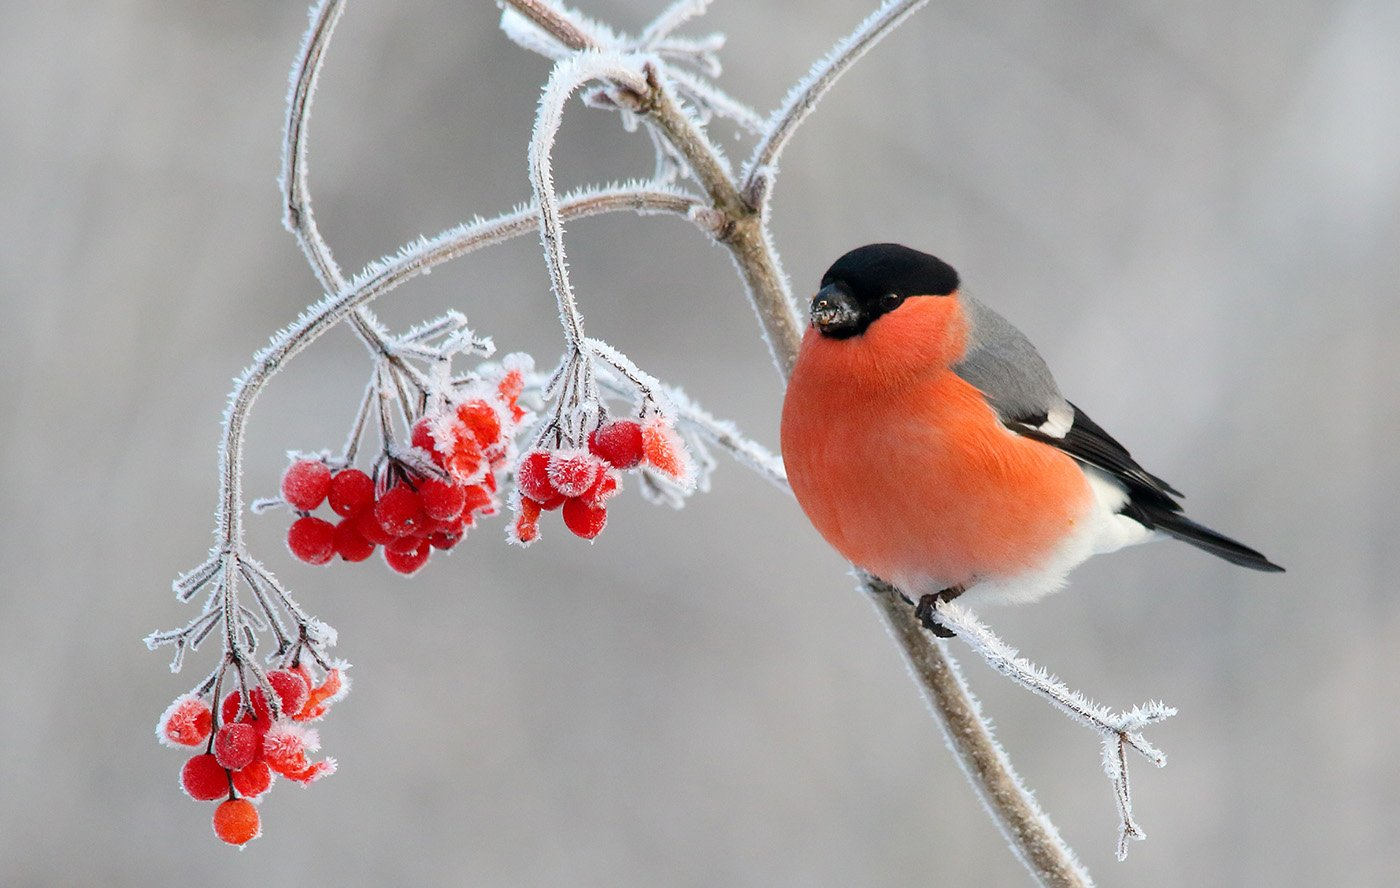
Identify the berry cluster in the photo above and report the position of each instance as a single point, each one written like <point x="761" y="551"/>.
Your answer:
<point x="579" y="482"/>
<point x="250" y="743"/>
<point x="415" y="503"/>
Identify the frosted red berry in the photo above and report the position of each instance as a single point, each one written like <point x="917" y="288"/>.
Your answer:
<point x="583" y="519"/>
<point x="351" y="492"/>
<point x="236" y="822"/>
<point x="400" y="511"/>
<point x="411" y="561"/>
<point x="204" y="779"/>
<point x="236" y="745"/>
<point x="442" y="500"/>
<point x="465" y="459"/>
<point x="292" y="690"/>
<point x="526" y="528"/>
<point x="253" y="780"/>
<point x="618" y="443"/>
<point x="662" y="448"/>
<point x="481" y="420"/>
<point x="421" y="436"/>
<point x="572" y="474"/>
<point x="350" y="542"/>
<point x="533" y="477"/>
<point x="370" y="528"/>
<point x="259" y="716"/>
<point x="311" y="539"/>
<point x="187" y="722"/>
<point x="602" y="490"/>
<point x="477" y="499"/>
<point x="305" y="484"/>
<point x="510" y="387"/>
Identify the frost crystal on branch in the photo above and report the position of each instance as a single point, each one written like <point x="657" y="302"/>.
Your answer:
<point x="1119" y="730"/>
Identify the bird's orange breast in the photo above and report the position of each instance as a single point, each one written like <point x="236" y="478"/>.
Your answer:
<point x="906" y="470"/>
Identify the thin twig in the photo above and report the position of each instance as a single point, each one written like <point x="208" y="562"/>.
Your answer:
<point x="803" y="97"/>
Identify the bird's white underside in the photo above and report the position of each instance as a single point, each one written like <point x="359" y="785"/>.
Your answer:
<point x="1100" y="530"/>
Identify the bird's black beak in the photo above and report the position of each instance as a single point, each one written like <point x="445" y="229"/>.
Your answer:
<point x="835" y="312"/>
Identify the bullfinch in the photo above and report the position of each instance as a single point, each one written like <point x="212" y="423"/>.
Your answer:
<point x="928" y="443"/>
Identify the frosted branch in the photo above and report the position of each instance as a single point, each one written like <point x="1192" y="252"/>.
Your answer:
<point x="567" y="77"/>
<point x="671" y="18"/>
<point x="1119" y="730"/>
<point x="803" y="97"/>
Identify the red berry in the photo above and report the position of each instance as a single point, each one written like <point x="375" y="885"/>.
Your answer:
<point x="583" y="519"/>
<point x="422" y="438"/>
<point x="187" y="722"/>
<point x="574" y="473"/>
<point x="602" y="490"/>
<point x="446" y="539"/>
<point x="662" y="448"/>
<point x="311" y="539"/>
<point x="526" y="528"/>
<point x="305" y="484"/>
<point x="370" y="528"/>
<point x="352" y="491"/>
<point x="481" y="420"/>
<point x="442" y="501"/>
<point x="466" y="457"/>
<point x="236" y="745"/>
<point x="260" y="717"/>
<point x="253" y="780"/>
<point x="236" y="822"/>
<point x="533" y="476"/>
<point x="400" y="545"/>
<point x="399" y="510"/>
<point x="350" y="542"/>
<point x="410" y="562"/>
<point x="510" y="387"/>
<point x="618" y="443"/>
<point x="204" y="779"/>
<point x="292" y="690"/>
<point x="477" y="499"/>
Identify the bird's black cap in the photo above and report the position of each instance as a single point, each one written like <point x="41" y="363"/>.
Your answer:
<point x="874" y="280"/>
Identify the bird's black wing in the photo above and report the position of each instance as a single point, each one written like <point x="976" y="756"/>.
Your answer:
<point x="1002" y="364"/>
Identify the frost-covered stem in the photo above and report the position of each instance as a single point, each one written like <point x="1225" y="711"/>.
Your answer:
<point x="1029" y="832"/>
<point x="1118" y="731"/>
<point x="671" y="18"/>
<point x="377" y="281"/>
<point x="567" y="77"/>
<point x="803" y="98"/>
<point x="298" y="216"/>
<point x="555" y="22"/>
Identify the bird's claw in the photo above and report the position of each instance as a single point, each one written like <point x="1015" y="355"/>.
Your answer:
<point x="925" y="612"/>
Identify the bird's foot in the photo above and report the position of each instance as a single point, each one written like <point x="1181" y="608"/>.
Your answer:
<point x="925" y="611"/>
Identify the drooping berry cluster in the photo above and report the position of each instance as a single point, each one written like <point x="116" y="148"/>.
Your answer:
<point x="579" y="482"/>
<point x="416" y="502"/>
<point x="250" y="743"/>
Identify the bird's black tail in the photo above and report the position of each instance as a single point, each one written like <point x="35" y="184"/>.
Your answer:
<point x="1180" y="527"/>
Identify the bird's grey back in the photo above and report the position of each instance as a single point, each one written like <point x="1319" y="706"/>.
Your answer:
<point x="1004" y="366"/>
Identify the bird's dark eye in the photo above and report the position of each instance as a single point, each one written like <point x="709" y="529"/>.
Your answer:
<point x="890" y="301"/>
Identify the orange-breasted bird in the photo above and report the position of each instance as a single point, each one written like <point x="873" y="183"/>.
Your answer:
<point x="928" y="443"/>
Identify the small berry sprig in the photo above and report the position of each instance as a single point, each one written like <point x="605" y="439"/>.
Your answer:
<point x="245" y="745"/>
<point x="416" y="498"/>
<point x="578" y="477"/>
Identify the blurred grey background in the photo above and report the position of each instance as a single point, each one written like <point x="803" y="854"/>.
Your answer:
<point x="1193" y="208"/>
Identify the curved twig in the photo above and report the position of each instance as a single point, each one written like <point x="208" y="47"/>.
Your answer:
<point x="378" y="279"/>
<point x="803" y="97"/>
